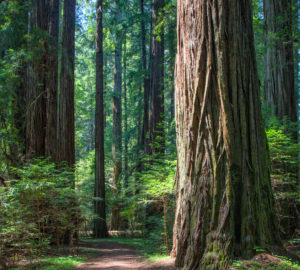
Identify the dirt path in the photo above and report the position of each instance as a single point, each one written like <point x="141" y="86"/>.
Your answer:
<point x="116" y="256"/>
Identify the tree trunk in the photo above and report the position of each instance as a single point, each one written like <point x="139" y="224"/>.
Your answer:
<point x="224" y="195"/>
<point x="100" y="228"/>
<point x="280" y="94"/>
<point x="42" y="83"/>
<point x="157" y="81"/>
<point x="117" y="124"/>
<point x="125" y="117"/>
<point x="52" y="81"/>
<point x="36" y="78"/>
<point x="66" y="150"/>
<point x="146" y="82"/>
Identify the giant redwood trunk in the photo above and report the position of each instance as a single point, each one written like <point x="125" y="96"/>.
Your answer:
<point x="66" y="149"/>
<point x="224" y="196"/>
<point x="52" y="81"/>
<point x="41" y="97"/>
<point x="117" y="124"/>
<point x="280" y="94"/>
<point x="157" y="79"/>
<point x="35" y="97"/>
<point x="100" y="228"/>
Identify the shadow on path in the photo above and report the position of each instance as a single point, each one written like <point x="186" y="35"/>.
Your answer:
<point x="117" y="256"/>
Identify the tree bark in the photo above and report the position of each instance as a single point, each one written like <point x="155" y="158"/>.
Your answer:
<point x="157" y="81"/>
<point x="125" y="116"/>
<point x="66" y="150"/>
<point x="36" y="96"/>
<point x="100" y="227"/>
<point x="52" y="81"/>
<point x="146" y="83"/>
<point x="117" y="123"/>
<point x="42" y="83"/>
<point x="19" y="108"/>
<point x="280" y="94"/>
<point x="225" y="205"/>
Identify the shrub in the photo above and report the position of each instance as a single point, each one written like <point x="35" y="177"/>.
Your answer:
<point x="37" y="208"/>
<point x="284" y="151"/>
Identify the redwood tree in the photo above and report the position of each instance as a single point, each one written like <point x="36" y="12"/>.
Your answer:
<point x="117" y="120"/>
<point x="100" y="228"/>
<point x="224" y="196"/>
<point x="41" y="98"/>
<point x="66" y="149"/>
<point x="157" y="79"/>
<point x="52" y="81"/>
<point x="280" y="94"/>
<point x="146" y="81"/>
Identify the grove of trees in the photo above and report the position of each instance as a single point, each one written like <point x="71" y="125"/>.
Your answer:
<point x="177" y="120"/>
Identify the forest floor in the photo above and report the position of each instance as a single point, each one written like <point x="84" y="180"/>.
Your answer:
<point x="138" y="254"/>
<point x="120" y="256"/>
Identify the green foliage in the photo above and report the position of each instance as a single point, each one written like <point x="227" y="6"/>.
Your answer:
<point x="55" y="263"/>
<point x="84" y="179"/>
<point x="268" y="262"/>
<point x="37" y="208"/>
<point x="284" y="157"/>
<point x="158" y="176"/>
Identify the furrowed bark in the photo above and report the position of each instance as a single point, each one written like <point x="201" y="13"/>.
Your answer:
<point x="66" y="136"/>
<point x="225" y="205"/>
<point x="52" y="82"/>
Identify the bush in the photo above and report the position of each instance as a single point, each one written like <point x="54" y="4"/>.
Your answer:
<point x="37" y="209"/>
<point x="284" y="151"/>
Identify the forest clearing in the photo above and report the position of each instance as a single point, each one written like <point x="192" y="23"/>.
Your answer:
<point x="149" y="134"/>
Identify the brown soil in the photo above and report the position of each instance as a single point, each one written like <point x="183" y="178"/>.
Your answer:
<point x="116" y="256"/>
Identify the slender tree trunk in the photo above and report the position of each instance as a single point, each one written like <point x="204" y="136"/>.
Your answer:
<point x="125" y="116"/>
<point x="172" y="52"/>
<point x="117" y="124"/>
<point x="280" y="94"/>
<point x="92" y="131"/>
<point x="100" y="228"/>
<point x="20" y="110"/>
<point x="146" y="82"/>
<point x="66" y="98"/>
<point x="157" y="81"/>
<point x="225" y="205"/>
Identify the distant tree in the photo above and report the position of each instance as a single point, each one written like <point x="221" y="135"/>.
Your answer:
<point x="100" y="227"/>
<point x="125" y="113"/>
<point x="117" y="118"/>
<point x="281" y="97"/>
<point x="157" y="79"/>
<point x="146" y="81"/>
<point x="279" y="86"/>
<point x="225" y="205"/>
